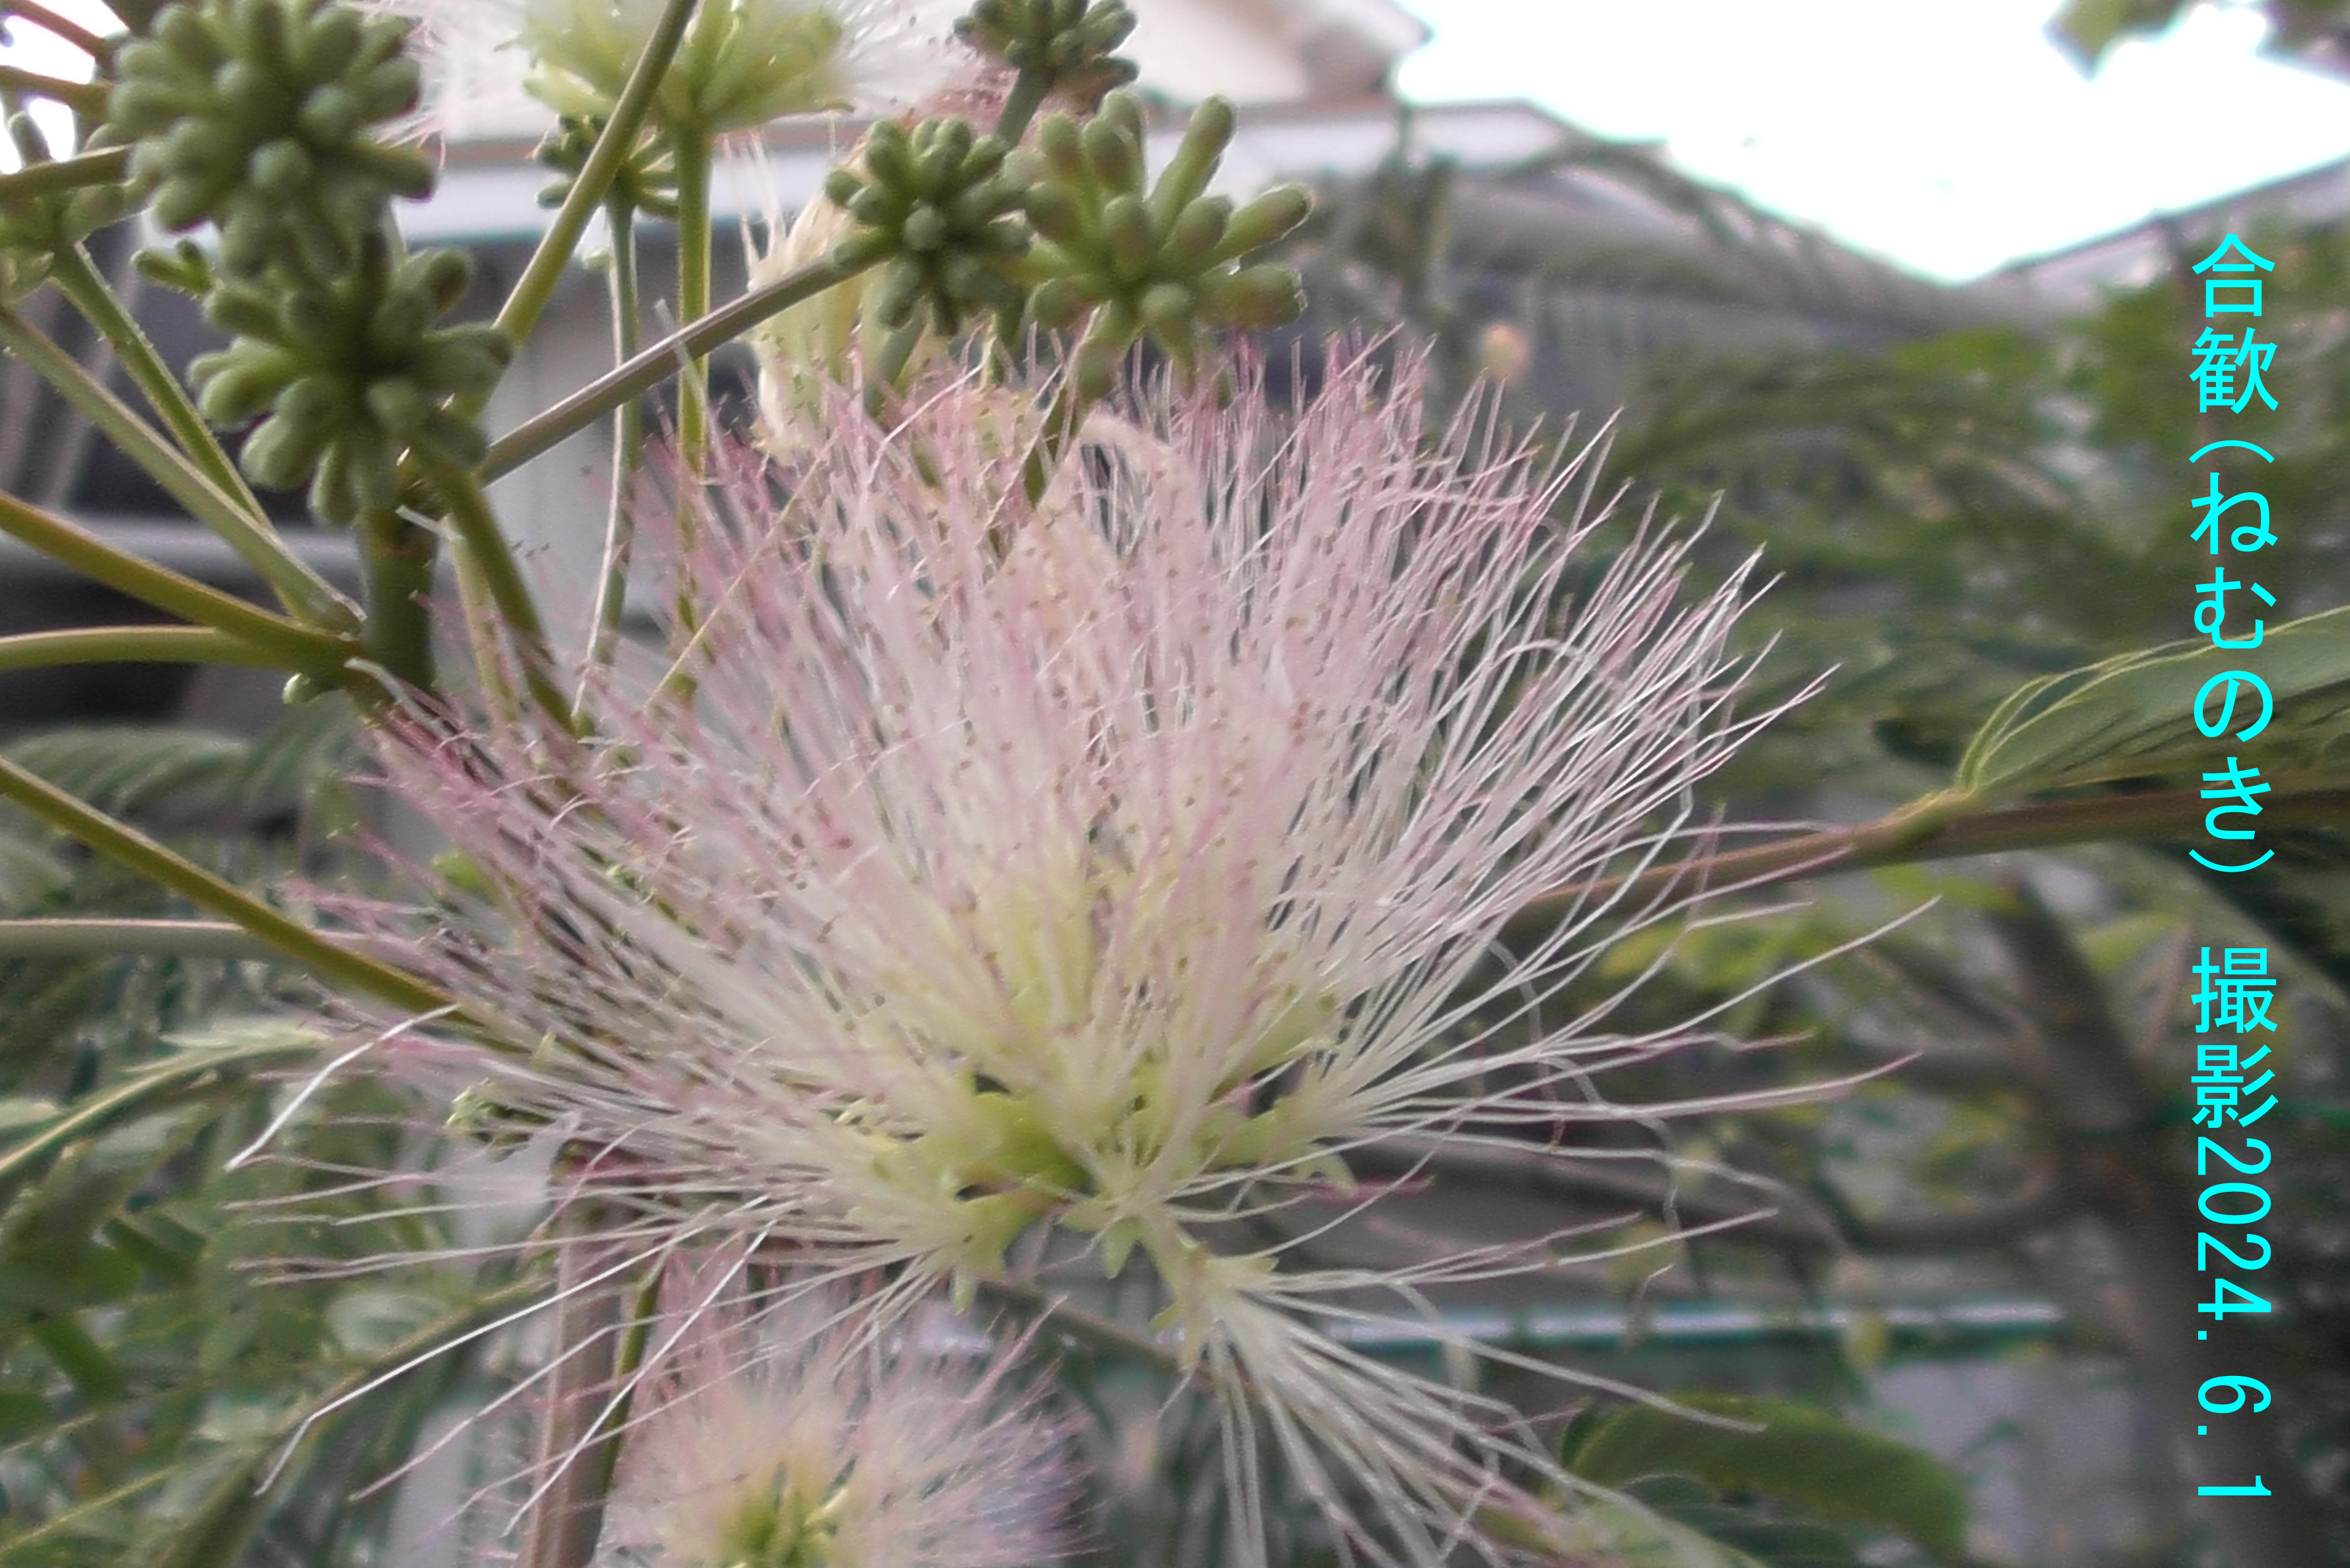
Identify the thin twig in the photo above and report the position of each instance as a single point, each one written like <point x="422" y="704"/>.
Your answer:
<point x="614" y="143"/>
<point x="659" y="361"/>
<point x="132" y="645"/>
<point x="73" y="939"/>
<point x="319" y="653"/>
<point x="82" y="97"/>
<point x="120" y="842"/>
<point x="1944" y="831"/>
<point x="105" y="166"/>
<point x="61" y="26"/>
<point x="233" y="513"/>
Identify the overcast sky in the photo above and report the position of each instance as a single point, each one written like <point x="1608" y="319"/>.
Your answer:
<point x="1947" y="135"/>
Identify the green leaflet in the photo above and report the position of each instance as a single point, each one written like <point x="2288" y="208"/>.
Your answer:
<point x="1801" y="1454"/>
<point x="1637" y="1537"/>
<point x="128" y="770"/>
<point x="165" y="1089"/>
<point x="29" y="871"/>
<point x="2133" y="716"/>
<point x="199" y="792"/>
<point x="212" y="1368"/>
<point x="157" y="1367"/>
<point x="215" y="1482"/>
<point x="214" y="1533"/>
<point x="1773" y="1543"/>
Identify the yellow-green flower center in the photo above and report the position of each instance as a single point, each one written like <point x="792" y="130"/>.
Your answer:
<point x="780" y="1523"/>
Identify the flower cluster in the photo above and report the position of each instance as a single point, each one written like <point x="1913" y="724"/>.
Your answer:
<point x="789" y="1438"/>
<point x="262" y="117"/>
<point x="345" y="374"/>
<point x="34" y="229"/>
<point x="741" y="64"/>
<point x="1108" y="871"/>
<point x="259" y="115"/>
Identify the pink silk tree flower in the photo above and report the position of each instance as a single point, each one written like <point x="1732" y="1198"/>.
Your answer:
<point x="1077" y="886"/>
<point x="799" y="1437"/>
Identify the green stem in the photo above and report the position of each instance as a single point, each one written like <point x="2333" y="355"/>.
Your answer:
<point x="658" y="362"/>
<point x="613" y="145"/>
<point x="628" y="454"/>
<point x="302" y="590"/>
<point x="604" y="1460"/>
<point x="477" y="525"/>
<point x="77" y="278"/>
<point x="317" y="653"/>
<point x="889" y="365"/>
<point x="240" y="521"/>
<point x="885" y="379"/>
<point x="107" y="166"/>
<point x="396" y="555"/>
<point x="1112" y="333"/>
<point x="1939" y="828"/>
<point x="1020" y="105"/>
<point x="132" y="645"/>
<point x="77" y="939"/>
<point x="83" y="98"/>
<point x="128" y="846"/>
<point x="487" y="553"/>
<point x="567" y="1518"/>
<point x="692" y="153"/>
<point x="477" y="612"/>
<point x="1062" y="421"/>
<point x="60" y="27"/>
<point x="177" y="1080"/>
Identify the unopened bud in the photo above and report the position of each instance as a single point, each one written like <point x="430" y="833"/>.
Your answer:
<point x="1113" y="159"/>
<point x="1056" y="304"/>
<point x="1198" y="230"/>
<point x="1269" y="217"/>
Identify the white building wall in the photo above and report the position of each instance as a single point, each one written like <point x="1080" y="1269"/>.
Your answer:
<point x="1190" y="48"/>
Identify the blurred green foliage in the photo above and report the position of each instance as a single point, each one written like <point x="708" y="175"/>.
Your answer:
<point x="1957" y="511"/>
<point x="170" y="1317"/>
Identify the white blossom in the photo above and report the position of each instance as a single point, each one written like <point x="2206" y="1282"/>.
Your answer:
<point x="742" y="64"/>
<point x="1107" y="872"/>
<point x="801" y="1437"/>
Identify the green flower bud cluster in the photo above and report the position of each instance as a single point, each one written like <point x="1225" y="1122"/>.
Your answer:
<point x="1166" y="261"/>
<point x="185" y="267"/>
<point x="646" y="180"/>
<point x="34" y="229"/>
<point x="937" y="201"/>
<point x="350" y="371"/>
<point x="255" y="115"/>
<point x="258" y="115"/>
<point x="1070" y="44"/>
